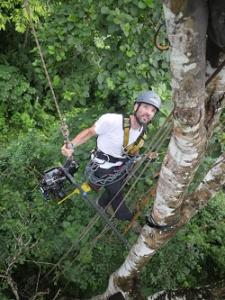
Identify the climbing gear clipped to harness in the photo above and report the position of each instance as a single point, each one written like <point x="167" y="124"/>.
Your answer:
<point x="133" y="148"/>
<point x="115" y="173"/>
<point x="107" y="157"/>
<point x="118" y="172"/>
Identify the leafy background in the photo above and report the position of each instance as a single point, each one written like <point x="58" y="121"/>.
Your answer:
<point x="100" y="55"/>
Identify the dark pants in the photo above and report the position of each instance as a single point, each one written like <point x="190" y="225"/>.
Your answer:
<point x="114" y="195"/>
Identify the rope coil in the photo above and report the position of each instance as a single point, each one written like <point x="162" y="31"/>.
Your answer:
<point x="107" y="179"/>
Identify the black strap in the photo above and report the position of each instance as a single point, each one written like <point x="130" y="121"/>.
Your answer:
<point x="152" y="223"/>
<point x="109" y="158"/>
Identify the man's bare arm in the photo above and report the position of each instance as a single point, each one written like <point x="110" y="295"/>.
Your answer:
<point x="79" y="139"/>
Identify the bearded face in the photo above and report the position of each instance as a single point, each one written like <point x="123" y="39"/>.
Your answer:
<point x="144" y="113"/>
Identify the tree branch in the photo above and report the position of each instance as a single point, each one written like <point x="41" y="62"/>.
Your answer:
<point x="151" y="239"/>
<point x="211" y="184"/>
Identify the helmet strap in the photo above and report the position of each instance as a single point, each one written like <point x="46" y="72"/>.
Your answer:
<point x="135" y="115"/>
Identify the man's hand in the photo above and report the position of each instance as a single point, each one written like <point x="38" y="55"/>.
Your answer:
<point x="67" y="149"/>
<point x="152" y="155"/>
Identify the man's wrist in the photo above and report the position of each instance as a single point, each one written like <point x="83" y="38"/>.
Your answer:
<point x="74" y="145"/>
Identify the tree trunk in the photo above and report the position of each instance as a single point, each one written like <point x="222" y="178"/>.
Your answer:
<point x="186" y="24"/>
<point x="151" y="239"/>
<point x="186" y="31"/>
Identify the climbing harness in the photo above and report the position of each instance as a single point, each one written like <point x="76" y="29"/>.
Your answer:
<point x="54" y="180"/>
<point x="63" y="175"/>
<point x="133" y="148"/>
<point x="115" y="173"/>
<point x="118" y="172"/>
<point x="154" y="145"/>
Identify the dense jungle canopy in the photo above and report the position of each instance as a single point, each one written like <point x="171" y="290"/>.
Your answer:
<point x="99" y="55"/>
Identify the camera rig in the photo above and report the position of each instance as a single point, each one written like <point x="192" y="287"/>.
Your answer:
<point x="56" y="181"/>
<point x="58" y="184"/>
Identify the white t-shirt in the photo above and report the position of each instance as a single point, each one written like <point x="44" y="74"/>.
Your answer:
<point x="109" y="128"/>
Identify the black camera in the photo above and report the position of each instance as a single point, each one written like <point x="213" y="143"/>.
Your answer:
<point x="55" y="184"/>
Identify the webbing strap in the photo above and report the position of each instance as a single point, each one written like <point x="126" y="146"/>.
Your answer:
<point x="126" y="130"/>
<point x="134" y="147"/>
<point x="152" y="223"/>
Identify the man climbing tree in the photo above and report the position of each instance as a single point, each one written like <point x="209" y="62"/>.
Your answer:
<point x="95" y="50"/>
<point x="197" y="110"/>
<point x="118" y="142"/>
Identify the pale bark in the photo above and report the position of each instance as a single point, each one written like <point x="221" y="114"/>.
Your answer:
<point x="211" y="184"/>
<point x="186" y="32"/>
<point x="193" y="125"/>
<point x="151" y="239"/>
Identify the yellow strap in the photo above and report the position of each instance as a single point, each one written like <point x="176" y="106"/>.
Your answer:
<point x="126" y="137"/>
<point x="85" y="187"/>
<point x="126" y="130"/>
<point x="132" y="149"/>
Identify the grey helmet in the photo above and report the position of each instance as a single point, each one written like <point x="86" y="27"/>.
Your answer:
<point x="149" y="97"/>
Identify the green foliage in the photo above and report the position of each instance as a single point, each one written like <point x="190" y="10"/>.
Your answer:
<point x="195" y="256"/>
<point x="108" y="56"/>
<point x="99" y="54"/>
<point x="17" y="97"/>
<point x="20" y="109"/>
<point x="13" y="12"/>
<point x="41" y="234"/>
<point x="34" y="232"/>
